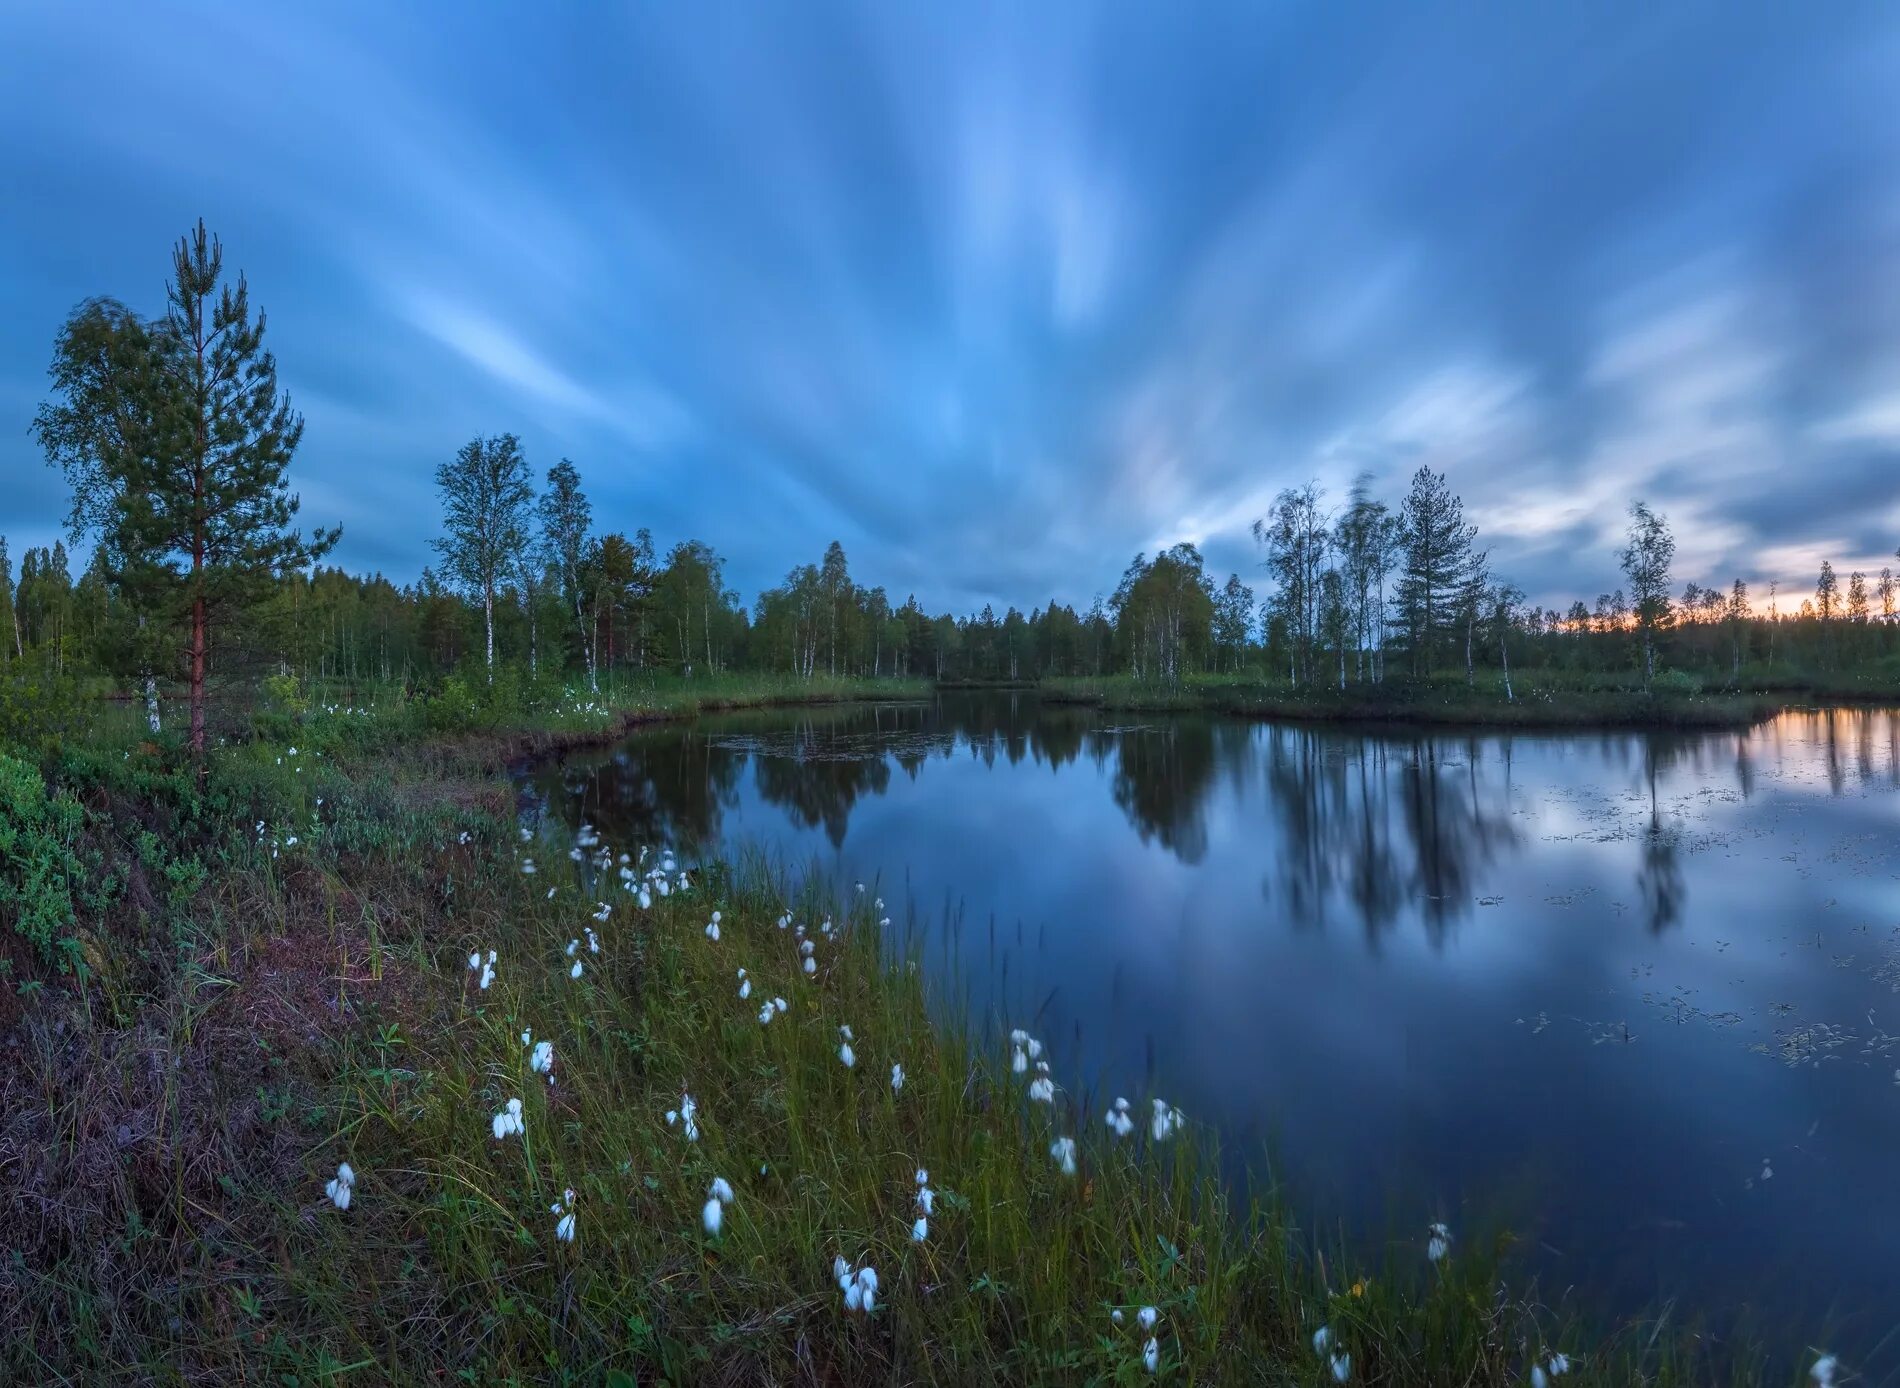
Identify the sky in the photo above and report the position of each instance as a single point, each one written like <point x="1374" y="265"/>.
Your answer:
<point x="998" y="296"/>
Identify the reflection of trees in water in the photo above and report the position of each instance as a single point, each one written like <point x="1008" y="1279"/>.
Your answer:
<point x="818" y="790"/>
<point x="1381" y="823"/>
<point x="1162" y="777"/>
<point x="669" y="791"/>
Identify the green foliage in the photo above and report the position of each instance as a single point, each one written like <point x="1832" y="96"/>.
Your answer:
<point x="285" y="694"/>
<point x="1678" y="684"/>
<point x="39" y="868"/>
<point x="41" y="709"/>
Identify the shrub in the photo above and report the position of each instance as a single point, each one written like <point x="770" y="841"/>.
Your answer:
<point x="38" y="867"/>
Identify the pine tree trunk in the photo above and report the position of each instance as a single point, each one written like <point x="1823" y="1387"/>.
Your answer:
<point x="198" y="678"/>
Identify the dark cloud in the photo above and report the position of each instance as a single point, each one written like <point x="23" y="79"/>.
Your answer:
<point x="998" y="296"/>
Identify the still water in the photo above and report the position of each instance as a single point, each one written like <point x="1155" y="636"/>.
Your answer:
<point x="1634" y="998"/>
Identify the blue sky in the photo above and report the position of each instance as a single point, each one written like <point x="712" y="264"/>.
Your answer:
<point x="998" y="296"/>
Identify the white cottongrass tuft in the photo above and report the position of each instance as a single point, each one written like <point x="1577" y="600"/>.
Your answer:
<point x="1166" y="1121"/>
<point x="1063" y="1150"/>
<point x="1825" y="1371"/>
<point x="1342" y="1367"/>
<point x="577" y="970"/>
<point x="1042" y="1089"/>
<point x="1439" y="1244"/>
<point x="1151" y="1355"/>
<point x="718" y="1196"/>
<point x="897" y="1079"/>
<point x="920" y="1230"/>
<point x="712" y="927"/>
<point x="340" y="1186"/>
<point x="563" y="1209"/>
<point x="1117" y="1119"/>
<point x="685" y="1116"/>
<point x="1116" y="1315"/>
<point x="527" y="867"/>
<point x="645" y="899"/>
<point x="483" y="969"/>
<point x="1146" y="1317"/>
<point x="846" y="1056"/>
<point x="859" y="1286"/>
<point x="1322" y="1340"/>
<point x="541" y="1059"/>
<point x="508" y="1122"/>
<point x="811" y="965"/>
<point x="745" y="986"/>
<point x="593" y="940"/>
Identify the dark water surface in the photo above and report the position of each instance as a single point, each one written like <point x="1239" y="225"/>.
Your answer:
<point x="1634" y="997"/>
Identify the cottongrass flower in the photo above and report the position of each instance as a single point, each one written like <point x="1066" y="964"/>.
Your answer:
<point x="712" y="928"/>
<point x="859" y="1286"/>
<point x="602" y="911"/>
<point x="340" y="1186"/>
<point x="564" y="1210"/>
<point x="573" y="948"/>
<point x="920" y="1230"/>
<point x="1063" y="1150"/>
<point x="1116" y="1315"/>
<point x="508" y="1122"/>
<point x="541" y="1059"/>
<point x="1117" y="1120"/>
<point x="745" y="986"/>
<point x="897" y="1079"/>
<point x="718" y="1196"/>
<point x="645" y="899"/>
<point x="1151" y="1355"/>
<point x="1166" y="1121"/>
<point x="846" y="1055"/>
<point x="1146" y="1317"/>
<point x="1342" y="1367"/>
<point x="577" y="970"/>
<point x="811" y="965"/>
<point x="926" y="1197"/>
<point x="1439" y="1244"/>
<point x="1322" y="1340"/>
<point x="593" y="940"/>
<point x="1018" y="1061"/>
<point x="1825" y="1371"/>
<point x="1042" y="1089"/>
<point x="527" y="867"/>
<point x="684" y="1115"/>
<point x="484" y="969"/>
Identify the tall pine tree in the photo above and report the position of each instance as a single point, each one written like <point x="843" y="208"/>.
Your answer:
<point x="177" y="443"/>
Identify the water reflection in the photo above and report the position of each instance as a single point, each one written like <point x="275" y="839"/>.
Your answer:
<point x="1578" y="985"/>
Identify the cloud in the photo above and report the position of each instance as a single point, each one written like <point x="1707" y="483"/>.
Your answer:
<point x="1000" y="296"/>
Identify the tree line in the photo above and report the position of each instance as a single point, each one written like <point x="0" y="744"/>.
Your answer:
<point x="176" y="442"/>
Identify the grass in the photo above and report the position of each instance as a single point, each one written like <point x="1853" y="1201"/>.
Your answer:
<point x="166" y="1130"/>
<point x="1439" y="702"/>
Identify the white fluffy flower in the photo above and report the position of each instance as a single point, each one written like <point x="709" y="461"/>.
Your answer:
<point x="920" y="1230"/>
<point x="340" y="1186"/>
<point x="685" y="1116"/>
<point x="541" y="1059"/>
<point x="1439" y="1244"/>
<point x="1063" y="1150"/>
<point x="564" y="1224"/>
<point x="1117" y="1119"/>
<point x="1166" y="1121"/>
<point x="1151" y="1355"/>
<point x="1146" y="1317"/>
<point x="897" y="1079"/>
<point x="508" y="1122"/>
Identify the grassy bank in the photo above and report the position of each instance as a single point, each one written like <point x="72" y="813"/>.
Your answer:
<point x="1438" y="703"/>
<point x="269" y="975"/>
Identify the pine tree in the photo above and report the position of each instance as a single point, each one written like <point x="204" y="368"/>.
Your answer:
<point x="1435" y="563"/>
<point x="177" y="443"/>
<point x="486" y="496"/>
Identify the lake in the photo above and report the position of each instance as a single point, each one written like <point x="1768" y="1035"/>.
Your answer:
<point x="1634" y="997"/>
